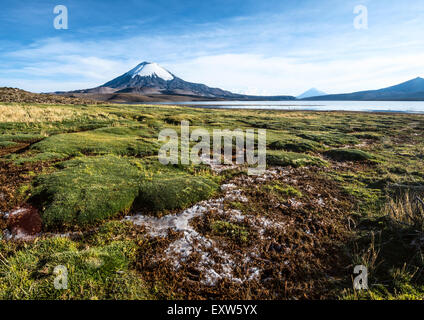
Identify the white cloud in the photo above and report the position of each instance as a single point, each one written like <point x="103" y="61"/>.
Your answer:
<point x="243" y="73"/>
<point x="255" y="74"/>
<point x="44" y="85"/>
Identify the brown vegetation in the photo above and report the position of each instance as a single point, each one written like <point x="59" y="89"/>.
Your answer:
<point x="14" y="95"/>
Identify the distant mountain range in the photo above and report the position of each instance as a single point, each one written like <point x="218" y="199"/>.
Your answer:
<point x="150" y="82"/>
<point x="407" y="91"/>
<point x="311" y="93"/>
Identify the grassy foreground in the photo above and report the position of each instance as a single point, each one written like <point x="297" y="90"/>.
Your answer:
<point x="85" y="167"/>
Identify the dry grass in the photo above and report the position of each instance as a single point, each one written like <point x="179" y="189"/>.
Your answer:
<point x="395" y="262"/>
<point x="368" y="257"/>
<point x="28" y="114"/>
<point x="407" y="210"/>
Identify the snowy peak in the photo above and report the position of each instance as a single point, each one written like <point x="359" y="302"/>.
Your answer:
<point x="148" y="69"/>
<point x="150" y="78"/>
<point x="311" y="93"/>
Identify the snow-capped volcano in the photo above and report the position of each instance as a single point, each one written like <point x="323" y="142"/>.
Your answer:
<point x="151" y="78"/>
<point x="148" y="69"/>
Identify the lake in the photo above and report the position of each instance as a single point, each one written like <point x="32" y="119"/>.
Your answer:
<point x="364" y="106"/>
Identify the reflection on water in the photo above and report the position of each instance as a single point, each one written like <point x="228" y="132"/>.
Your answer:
<point x="366" y="106"/>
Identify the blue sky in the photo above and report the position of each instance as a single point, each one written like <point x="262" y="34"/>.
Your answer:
<point x="255" y="47"/>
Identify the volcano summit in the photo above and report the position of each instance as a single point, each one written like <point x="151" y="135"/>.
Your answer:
<point x="149" y="81"/>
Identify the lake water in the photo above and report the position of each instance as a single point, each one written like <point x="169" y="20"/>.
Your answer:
<point x="365" y="106"/>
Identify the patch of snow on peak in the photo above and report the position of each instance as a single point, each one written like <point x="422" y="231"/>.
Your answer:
<point x="147" y="69"/>
<point x="311" y="93"/>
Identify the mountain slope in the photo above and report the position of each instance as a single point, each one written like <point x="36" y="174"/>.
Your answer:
<point x="409" y="90"/>
<point x="151" y="80"/>
<point x="21" y="96"/>
<point x="311" y="93"/>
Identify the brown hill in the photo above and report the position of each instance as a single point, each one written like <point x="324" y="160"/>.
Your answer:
<point x="22" y="96"/>
<point x="136" y="97"/>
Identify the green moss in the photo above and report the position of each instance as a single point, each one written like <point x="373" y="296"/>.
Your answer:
<point x="37" y="157"/>
<point x="348" y="155"/>
<point x="21" y="137"/>
<point x="119" y="141"/>
<point x="238" y="206"/>
<point x="294" y="146"/>
<point x="93" y="272"/>
<point x="103" y="190"/>
<point x="282" y="190"/>
<point x="333" y="139"/>
<point x="398" y="170"/>
<point x="177" y="119"/>
<point x="368" y="135"/>
<point x="87" y="190"/>
<point x="283" y="158"/>
<point x="111" y="231"/>
<point x="233" y="231"/>
<point x="369" y="200"/>
<point x="174" y="190"/>
<point x="8" y="144"/>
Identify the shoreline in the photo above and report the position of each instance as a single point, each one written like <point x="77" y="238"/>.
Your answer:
<point x="240" y="108"/>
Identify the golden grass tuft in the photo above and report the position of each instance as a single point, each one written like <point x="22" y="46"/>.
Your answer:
<point x="408" y="210"/>
<point x="29" y="114"/>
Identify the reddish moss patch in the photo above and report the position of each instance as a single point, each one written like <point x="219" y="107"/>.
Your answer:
<point x="299" y="255"/>
<point x="24" y="221"/>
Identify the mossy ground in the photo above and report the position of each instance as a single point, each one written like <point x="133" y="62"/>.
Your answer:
<point x="235" y="232"/>
<point x="284" y="191"/>
<point x="86" y="191"/>
<point x="86" y="166"/>
<point x="98" y="267"/>
<point x="348" y="155"/>
<point x="286" y="158"/>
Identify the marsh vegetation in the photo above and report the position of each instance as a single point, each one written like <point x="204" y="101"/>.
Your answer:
<point x="340" y="189"/>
